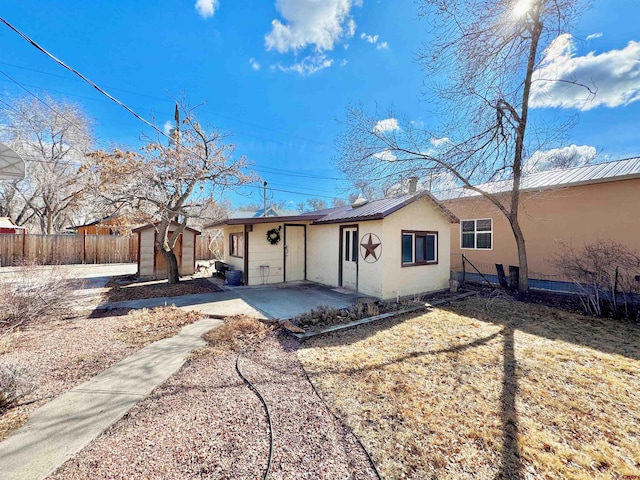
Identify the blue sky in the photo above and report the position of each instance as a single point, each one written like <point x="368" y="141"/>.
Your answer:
<point x="278" y="73"/>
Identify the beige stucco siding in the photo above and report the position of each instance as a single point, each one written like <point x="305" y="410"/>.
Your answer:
<point x="421" y="215"/>
<point x="235" y="262"/>
<point x="261" y="252"/>
<point x="371" y="275"/>
<point x="147" y="252"/>
<point x="323" y="254"/>
<point x="574" y="215"/>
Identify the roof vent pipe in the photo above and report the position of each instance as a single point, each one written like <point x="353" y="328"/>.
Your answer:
<point x="413" y="184"/>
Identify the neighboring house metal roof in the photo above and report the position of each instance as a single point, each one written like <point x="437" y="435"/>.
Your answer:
<point x="587" y="174"/>
<point x="374" y="210"/>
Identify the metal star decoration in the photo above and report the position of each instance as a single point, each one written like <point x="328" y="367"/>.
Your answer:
<point x="370" y="248"/>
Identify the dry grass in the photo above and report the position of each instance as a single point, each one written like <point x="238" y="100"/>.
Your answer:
<point x="141" y="327"/>
<point x="235" y="334"/>
<point x="488" y="389"/>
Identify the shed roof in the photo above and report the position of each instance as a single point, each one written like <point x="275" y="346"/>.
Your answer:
<point x="153" y="224"/>
<point x="374" y="210"/>
<point x="627" y="168"/>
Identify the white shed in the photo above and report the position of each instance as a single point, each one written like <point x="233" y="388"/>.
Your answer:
<point x="151" y="263"/>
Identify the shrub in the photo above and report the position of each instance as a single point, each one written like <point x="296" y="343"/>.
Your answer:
<point x="605" y="273"/>
<point x="33" y="293"/>
<point x="15" y="384"/>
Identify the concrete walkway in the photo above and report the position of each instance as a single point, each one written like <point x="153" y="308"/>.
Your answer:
<point x="58" y="430"/>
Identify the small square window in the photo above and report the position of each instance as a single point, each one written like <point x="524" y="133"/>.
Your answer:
<point x="236" y="245"/>
<point x="419" y="248"/>
<point x="476" y="234"/>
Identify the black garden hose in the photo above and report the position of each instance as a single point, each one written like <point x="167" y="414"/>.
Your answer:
<point x="259" y="395"/>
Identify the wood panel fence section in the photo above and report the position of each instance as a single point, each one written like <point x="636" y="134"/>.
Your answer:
<point x="73" y="249"/>
<point x="208" y="247"/>
<point x="67" y="249"/>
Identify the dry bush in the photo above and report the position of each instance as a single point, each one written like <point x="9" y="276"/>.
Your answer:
<point x="604" y="273"/>
<point x="235" y="334"/>
<point x="145" y="326"/>
<point x="34" y="293"/>
<point x="15" y="383"/>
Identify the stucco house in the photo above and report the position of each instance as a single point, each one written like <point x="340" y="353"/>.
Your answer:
<point x="574" y="206"/>
<point x="384" y="248"/>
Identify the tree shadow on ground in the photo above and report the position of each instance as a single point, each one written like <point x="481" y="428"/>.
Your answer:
<point x="157" y="289"/>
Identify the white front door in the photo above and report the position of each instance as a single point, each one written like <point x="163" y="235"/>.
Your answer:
<point x="294" y="251"/>
<point x="349" y="258"/>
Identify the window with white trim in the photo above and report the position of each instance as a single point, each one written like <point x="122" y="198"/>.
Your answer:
<point x="236" y="245"/>
<point x="476" y="234"/>
<point x="419" y="248"/>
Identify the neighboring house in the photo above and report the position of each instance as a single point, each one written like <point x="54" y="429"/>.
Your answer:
<point x="271" y="211"/>
<point x="151" y="262"/>
<point x="8" y="226"/>
<point x="574" y="206"/>
<point x="383" y="248"/>
<point x="110" y="225"/>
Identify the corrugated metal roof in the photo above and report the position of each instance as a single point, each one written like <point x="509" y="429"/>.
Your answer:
<point x="375" y="209"/>
<point x="596" y="173"/>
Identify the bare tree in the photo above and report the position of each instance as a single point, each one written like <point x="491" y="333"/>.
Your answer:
<point x="53" y="136"/>
<point x="172" y="183"/>
<point x="479" y="63"/>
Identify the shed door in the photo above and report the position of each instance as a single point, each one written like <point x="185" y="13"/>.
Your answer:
<point x="160" y="262"/>
<point x="294" y="253"/>
<point x="349" y="258"/>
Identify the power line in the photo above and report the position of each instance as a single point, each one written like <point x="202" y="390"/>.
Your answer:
<point x="153" y="97"/>
<point x="306" y="194"/>
<point x="60" y="62"/>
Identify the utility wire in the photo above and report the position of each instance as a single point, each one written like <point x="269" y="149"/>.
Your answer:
<point x="60" y="62"/>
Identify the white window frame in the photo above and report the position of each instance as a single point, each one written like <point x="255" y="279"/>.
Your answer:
<point x="475" y="234"/>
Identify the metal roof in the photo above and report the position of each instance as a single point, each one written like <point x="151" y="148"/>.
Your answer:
<point x="584" y="175"/>
<point x="373" y="210"/>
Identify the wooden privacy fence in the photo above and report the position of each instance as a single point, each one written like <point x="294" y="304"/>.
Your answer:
<point x="67" y="249"/>
<point x="70" y="249"/>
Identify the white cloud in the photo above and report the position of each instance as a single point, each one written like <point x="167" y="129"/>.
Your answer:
<point x="373" y="39"/>
<point x="385" y="156"/>
<point x="254" y="64"/>
<point x="436" y="142"/>
<point x="386" y="125"/>
<point x="343" y="62"/>
<point x="564" y="157"/>
<point x="594" y="35"/>
<point x="168" y="125"/>
<point x="318" y="23"/>
<point x="369" y="38"/>
<point x="206" y="8"/>
<point x="613" y="75"/>
<point x="308" y="65"/>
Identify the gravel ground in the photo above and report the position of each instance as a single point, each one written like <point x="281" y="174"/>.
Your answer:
<point x="204" y="422"/>
<point x="60" y="355"/>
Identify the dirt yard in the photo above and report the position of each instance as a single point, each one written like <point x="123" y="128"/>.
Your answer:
<point x="488" y="389"/>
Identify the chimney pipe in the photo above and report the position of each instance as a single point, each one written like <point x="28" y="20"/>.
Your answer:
<point x="413" y="184"/>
